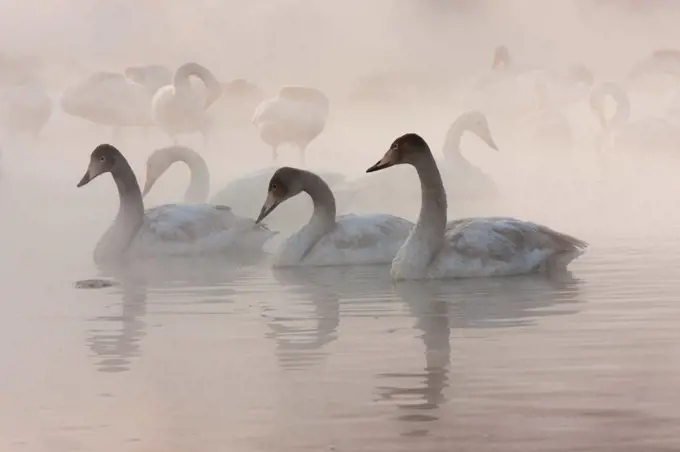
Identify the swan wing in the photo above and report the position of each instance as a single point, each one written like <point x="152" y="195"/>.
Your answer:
<point x="360" y="240"/>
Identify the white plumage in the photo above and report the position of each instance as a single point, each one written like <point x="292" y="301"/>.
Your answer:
<point x="295" y="117"/>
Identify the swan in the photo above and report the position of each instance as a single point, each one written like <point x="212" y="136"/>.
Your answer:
<point x="470" y="247"/>
<point x="296" y="116"/>
<point x="166" y="230"/>
<point x="237" y="194"/>
<point x="463" y="179"/>
<point x="648" y="133"/>
<point x="151" y="76"/>
<point x="178" y="108"/>
<point x="110" y="99"/>
<point x="327" y="239"/>
<point x="25" y="108"/>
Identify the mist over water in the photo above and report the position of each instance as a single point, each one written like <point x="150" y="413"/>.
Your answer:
<point x="210" y="354"/>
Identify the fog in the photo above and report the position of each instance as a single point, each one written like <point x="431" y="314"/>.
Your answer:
<point x="226" y="352"/>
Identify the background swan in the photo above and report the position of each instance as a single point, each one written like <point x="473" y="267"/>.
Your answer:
<point x="463" y="179"/>
<point x="179" y="108"/>
<point x="25" y="108"/>
<point x="295" y="117"/>
<point x="109" y="99"/>
<point x="151" y="76"/>
<point x="646" y="134"/>
<point x="325" y="239"/>
<point x="167" y="230"/>
<point x="242" y="194"/>
<point x="472" y="247"/>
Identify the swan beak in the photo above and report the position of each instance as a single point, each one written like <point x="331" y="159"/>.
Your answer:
<point x="383" y="163"/>
<point x="148" y="184"/>
<point x="269" y="205"/>
<point x="89" y="175"/>
<point x="491" y="143"/>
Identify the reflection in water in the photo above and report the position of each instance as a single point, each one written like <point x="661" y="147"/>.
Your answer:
<point x="183" y="279"/>
<point x="442" y="306"/>
<point x="117" y="348"/>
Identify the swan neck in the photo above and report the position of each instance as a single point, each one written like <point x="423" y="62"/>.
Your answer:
<point x="131" y="212"/>
<point x="453" y="140"/>
<point x="323" y="218"/>
<point x="431" y="223"/>
<point x="199" y="183"/>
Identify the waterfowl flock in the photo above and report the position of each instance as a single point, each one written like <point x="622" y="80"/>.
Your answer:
<point x="338" y="214"/>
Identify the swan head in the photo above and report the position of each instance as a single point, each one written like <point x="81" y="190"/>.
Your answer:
<point x="157" y="164"/>
<point x="407" y="149"/>
<point x="103" y="159"/>
<point x="284" y="184"/>
<point x="475" y="122"/>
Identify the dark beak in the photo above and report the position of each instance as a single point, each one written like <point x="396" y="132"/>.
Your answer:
<point x="86" y="179"/>
<point x="269" y="205"/>
<point x="383" y="163"/>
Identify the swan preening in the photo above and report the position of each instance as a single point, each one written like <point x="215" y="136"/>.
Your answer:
<point x="327" y="239"/>
<point x="161" y="159"/>
<point x="109" y="99"/>
<point x="179" y="108"/>
<point x="167" y="230"/>
<point x="471" y="247"/>
<point x="295" y="117"/>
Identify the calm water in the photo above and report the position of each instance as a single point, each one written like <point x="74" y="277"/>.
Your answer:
<point x="214" y="357"/>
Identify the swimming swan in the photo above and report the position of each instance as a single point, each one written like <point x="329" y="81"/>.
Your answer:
<point x="296" y="116"/>
<point x="239" y="194"/>
<point x="325" y="239"/>
<point x="167" y="230"/>
<point x="471" y="247"/>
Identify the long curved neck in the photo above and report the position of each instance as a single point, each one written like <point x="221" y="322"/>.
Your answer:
<point x="323" y="218"/>
<point x="298" y="246"/>
<point x="199" y="184"/>
<point x="131" y="212"/>
<point x="213" y="86"/>
<point x="431" y="223"/>
<point x="452" y="142"/>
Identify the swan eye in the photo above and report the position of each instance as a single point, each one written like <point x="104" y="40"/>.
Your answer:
<point x="102" y="159"/>
<point x="273" y="187"/>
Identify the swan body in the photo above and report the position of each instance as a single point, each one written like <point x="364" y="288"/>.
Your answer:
<point x="472" y="247"/>
<point x="25" y="108"/>
<point x="618" y="131"/>
<point x="179" y="108"/>
<point x="296" y="116"/>
<point x="153" y="76"/>
<point x="179" y="230"/>
<point x="327" y="239"/>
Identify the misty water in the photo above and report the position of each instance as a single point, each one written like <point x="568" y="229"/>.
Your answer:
<point x="217" y="354"/>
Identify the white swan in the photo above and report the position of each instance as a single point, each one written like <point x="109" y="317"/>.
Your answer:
<point x="471" y="247"/>
<point x="648" y="134"/>
<point x="327" y="240"/>
<point x="463" y="179"/>
<point x="25" y="108"/>
<point x="296" y="116"/>
<point x="179" y="108"/>
<point x="110" y="99"/>
<point x="151" y="76"/>
<point x="167" y="230"/>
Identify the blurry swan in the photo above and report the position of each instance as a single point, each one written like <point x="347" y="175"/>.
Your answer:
<point x="151" y="76"/>
<point x="642" y="135"/>
<point x="327" y="240"/>
<point x="110" y="99"/>
<point x="239" y="194"/>
<point x="167" y="230"/>
<point x="463" y="179"/>
<point x="471" y="247"/>
<point x="25" y="108"/>
<point x="179" y="108"/>
<point x="160" y="161"/>
<point x="296" y="116"/>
